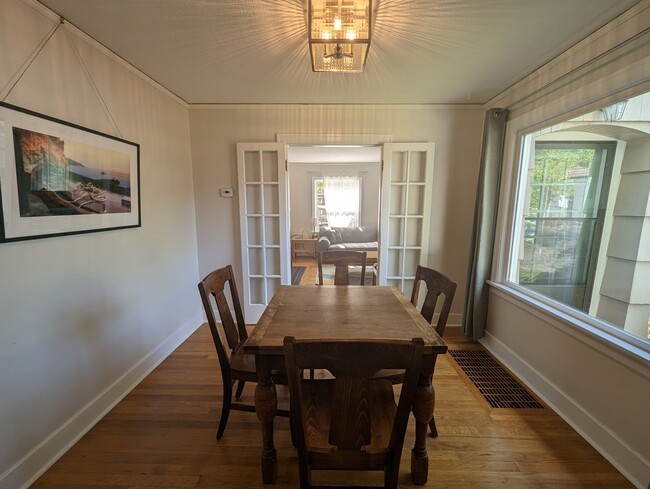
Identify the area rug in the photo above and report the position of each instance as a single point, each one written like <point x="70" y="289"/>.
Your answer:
<point x="355" y="275"/>
<point x="296" y="274"/>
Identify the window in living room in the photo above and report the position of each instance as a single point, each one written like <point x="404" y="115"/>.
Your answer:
<point x="581" y="238"/>
<point x="319" y="217"/>
<point x="337" y="200"/>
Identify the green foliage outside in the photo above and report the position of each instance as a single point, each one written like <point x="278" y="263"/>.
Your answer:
<point x="552" y="173"/>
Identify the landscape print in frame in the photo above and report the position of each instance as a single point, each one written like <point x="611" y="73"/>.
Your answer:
<point x="58" y="178"/>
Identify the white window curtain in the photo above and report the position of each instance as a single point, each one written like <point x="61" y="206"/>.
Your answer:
<point x="341" y="200"/>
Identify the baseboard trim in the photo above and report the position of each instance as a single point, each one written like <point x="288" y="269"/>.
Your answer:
<point x="627" y="461"/>
<point x="453" y="330"/>
<point x="454" y="320"/>
<point x="25" y="472"/>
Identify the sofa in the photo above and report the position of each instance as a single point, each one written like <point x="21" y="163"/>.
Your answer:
<point x="347" y="238"/>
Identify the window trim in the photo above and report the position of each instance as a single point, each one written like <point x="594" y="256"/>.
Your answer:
<point x="577" y="323"/>
<point x="602" y="341"/>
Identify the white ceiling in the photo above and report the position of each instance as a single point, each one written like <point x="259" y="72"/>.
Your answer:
<point x="255" y="51"/>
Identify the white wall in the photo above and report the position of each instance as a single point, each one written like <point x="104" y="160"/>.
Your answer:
<point x="301" y="198"/>
<point x="83" y="318"/>
<point x="456" y="131"/>
<point x="601" y="388"/>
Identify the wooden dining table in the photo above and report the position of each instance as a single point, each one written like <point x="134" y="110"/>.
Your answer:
<point x="340" y="312"/>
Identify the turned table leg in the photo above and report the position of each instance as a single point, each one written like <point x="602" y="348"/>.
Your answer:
<point x="423" y="412"/>
<point x="266" y="403"/>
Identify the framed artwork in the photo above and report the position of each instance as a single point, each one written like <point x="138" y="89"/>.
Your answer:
<point x="58" y="178"/>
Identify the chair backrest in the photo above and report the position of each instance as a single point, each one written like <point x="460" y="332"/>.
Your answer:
<point x="349" y="422"/>
<point x="437" y="284"/>
<point x="214" y="285"/>
<point x="342" y="259"/>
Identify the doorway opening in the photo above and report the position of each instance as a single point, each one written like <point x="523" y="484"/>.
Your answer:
<point x="334" y="193"/>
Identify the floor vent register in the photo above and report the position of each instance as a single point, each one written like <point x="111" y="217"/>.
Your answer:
<point x="496" y="385"/>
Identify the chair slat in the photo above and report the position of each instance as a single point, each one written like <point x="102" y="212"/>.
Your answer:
<point x="350" y="426"/>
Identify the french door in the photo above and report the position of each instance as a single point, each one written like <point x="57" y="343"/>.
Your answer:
<point x="263" y="223"/>
<point x="406" y="188"/>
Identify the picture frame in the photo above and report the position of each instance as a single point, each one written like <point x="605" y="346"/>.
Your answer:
<point x="58" y="178"/>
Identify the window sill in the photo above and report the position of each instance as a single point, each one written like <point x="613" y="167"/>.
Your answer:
<point x="635" y="356"/>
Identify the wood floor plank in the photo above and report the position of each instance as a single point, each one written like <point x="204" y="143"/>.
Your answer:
<point x="163" y="435"/>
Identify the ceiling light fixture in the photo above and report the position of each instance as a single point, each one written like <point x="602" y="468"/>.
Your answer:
<point x="339" y="34"/>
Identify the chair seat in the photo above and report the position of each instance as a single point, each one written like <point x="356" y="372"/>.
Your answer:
<point x="242" y="366"/>
<point x="317" y="409"/>
<point x="395" y="376"/>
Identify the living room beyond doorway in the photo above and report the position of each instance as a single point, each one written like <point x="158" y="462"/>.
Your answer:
<point x="333" y="203"/>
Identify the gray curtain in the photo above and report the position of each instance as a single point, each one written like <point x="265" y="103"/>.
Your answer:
<point x="485" y="216"/>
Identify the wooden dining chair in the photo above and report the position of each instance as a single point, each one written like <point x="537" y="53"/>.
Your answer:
<point x="350" y="422"/>
<point x="235" y="365"/>
<point x="342" y="260"/>
<point x="437" y="284"/>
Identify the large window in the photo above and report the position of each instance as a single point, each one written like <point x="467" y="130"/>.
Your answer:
<point x="563" y="221"/>
<point x="582" y="227"/>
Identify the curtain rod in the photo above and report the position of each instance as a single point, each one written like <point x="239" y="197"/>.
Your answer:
<point x="337" y="172"/>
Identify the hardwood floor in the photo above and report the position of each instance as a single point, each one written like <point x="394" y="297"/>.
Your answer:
<point x="163" y="435"/>
<point x="311" y="269"/>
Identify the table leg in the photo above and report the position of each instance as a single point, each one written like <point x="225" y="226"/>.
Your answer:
<point x="266" y="403"/>
<point x="422" y="411"/>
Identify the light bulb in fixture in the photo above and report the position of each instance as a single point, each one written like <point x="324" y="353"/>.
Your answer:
<point x="337" y="24"/>
<point x="351" y="35"/>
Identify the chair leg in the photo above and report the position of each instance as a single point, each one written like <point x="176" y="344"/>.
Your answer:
<point x="240" y="389"/>
<point x="432" y="427"/>
<point x="390" y="478"/>
<point x="304" y="473"/>
<point x="292" y="426"/>
<point x="225" y="408"/>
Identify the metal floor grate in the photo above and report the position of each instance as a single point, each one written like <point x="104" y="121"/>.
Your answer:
<point x="493" y="382"/>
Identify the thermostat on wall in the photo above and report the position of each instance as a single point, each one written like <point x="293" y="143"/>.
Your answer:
<point x="226" y="192"/>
